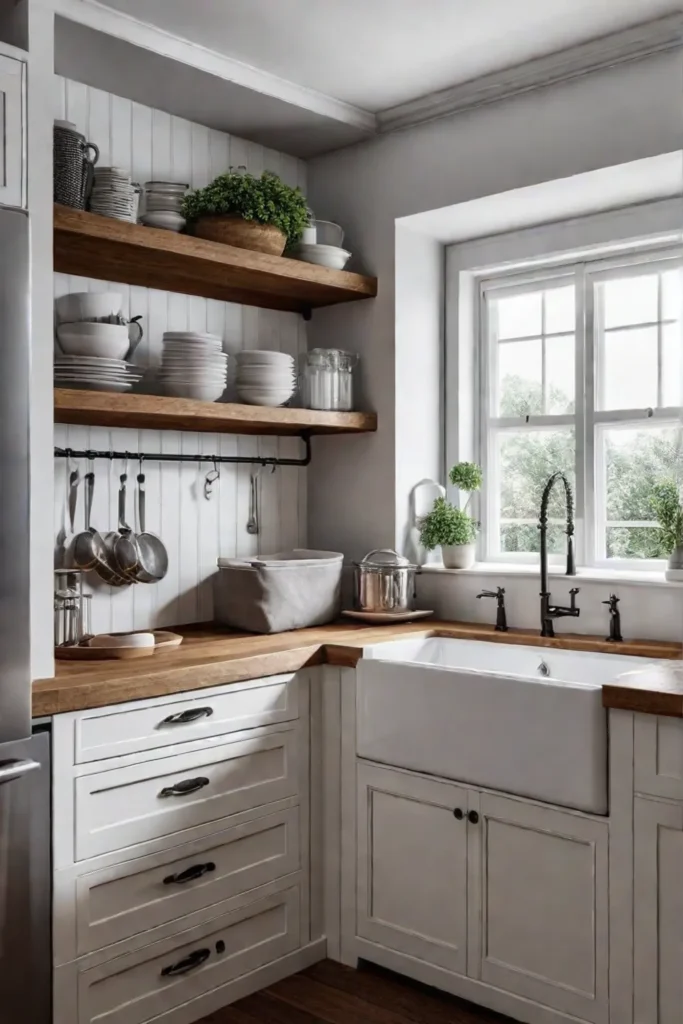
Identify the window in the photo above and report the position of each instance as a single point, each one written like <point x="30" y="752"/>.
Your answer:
<point x="580" y="370"/>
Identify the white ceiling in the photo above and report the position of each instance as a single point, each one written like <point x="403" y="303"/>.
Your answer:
<point x="378" y="53"/>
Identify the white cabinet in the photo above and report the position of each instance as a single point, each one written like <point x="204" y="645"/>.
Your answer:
<point x="508" y="892"/>
<point x="12" y="130"/>
<point x="658" y="912"/>
<point x="412" y="866"/>
<point x="658" y="756"/>
<point x="538" y="891"/>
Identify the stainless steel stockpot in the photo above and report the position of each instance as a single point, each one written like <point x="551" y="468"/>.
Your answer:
<point x="384" y="581"/>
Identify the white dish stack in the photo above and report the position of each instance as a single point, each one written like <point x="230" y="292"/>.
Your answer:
<point x="93" y="349"/>
<point x="265" y="378"/>
<point x="193" y="365"/>
<point x="92" y="373"/>
<point x="163" y="205"/>
<point x="114" y="194"/>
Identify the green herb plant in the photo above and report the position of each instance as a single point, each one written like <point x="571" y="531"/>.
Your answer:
<point x="266" y="200"/>
<point x="447" y="525"/>
<point x="666" y="503"/>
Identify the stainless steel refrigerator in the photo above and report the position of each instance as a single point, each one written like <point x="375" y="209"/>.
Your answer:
<point x="25" y="833"/>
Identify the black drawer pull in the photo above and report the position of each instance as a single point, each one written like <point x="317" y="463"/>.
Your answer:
<point x="473" y="817"/>
<point x="185" y="787"/>
<point x="185" y="717"/>
<point x="194" y="960"/>
<point x="190" y="874"/>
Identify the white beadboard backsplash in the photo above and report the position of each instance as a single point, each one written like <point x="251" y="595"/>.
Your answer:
<point x="154" y="144"/>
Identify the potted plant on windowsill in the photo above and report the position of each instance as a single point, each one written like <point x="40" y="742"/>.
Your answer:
<point x="666" y="502"/>
<point x="258" y="213"/>
<point x="451" y="527"/>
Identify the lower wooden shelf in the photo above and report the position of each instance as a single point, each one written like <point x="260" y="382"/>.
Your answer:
<point x="108" y="409"/>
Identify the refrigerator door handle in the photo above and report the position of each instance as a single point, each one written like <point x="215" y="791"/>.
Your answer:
<point x="14" y="769"/>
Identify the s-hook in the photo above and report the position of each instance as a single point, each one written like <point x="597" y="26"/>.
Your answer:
<point x="210" y="480"/>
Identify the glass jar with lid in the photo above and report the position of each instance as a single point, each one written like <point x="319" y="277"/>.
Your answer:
<point x="327" y="379"/>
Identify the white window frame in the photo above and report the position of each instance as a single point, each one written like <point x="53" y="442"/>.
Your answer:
<point x="587" y="421"/>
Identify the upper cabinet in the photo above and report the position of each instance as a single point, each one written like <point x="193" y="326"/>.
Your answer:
<point x="12" y="131"/>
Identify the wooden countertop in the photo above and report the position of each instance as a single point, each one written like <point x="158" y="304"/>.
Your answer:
<point x="211" y="656"/>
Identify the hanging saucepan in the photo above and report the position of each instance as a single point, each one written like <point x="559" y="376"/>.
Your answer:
<point x="384" y="581"/>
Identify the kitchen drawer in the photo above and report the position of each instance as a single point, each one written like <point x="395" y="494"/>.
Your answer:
<point x="140" y="986"/>
<point x="121" y="807"/>
<point x="146" y="725"/>
<point x="118" y="902"/>
<point x="658" y="756"/>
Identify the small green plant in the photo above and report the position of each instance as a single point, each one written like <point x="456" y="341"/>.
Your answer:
<point x="466" y="476"/>
<point x="447" y="526"/>
<point x="266" y="200"/>
<point x="666" y="503"/>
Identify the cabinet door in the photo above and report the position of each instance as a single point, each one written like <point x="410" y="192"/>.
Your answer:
<point x="11" y="131"/>
<point x="658" y="912"/>
<point x="538" y="894"/>
<point x="412" y="866"/>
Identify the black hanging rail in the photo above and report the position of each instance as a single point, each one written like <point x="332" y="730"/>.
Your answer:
<point x="240" y="460"/>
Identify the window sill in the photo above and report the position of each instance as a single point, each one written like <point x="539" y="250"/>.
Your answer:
<point x="643" y="579"/>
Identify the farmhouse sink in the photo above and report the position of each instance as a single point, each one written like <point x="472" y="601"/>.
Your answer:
<point x="523" y="720"/>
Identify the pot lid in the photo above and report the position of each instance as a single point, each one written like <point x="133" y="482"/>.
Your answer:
<point x="385" y="558"/>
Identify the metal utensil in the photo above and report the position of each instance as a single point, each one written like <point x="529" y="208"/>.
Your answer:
<point x="125" y="548"/>
<point x="111" y="539"/>
<point x="89" y="549"/>
<point x="152" y="553"/>
<point x="253" y="520"/>
<point x="384" y="581"/>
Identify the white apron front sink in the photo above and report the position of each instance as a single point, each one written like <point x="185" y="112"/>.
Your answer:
<point x="490" y="715"/>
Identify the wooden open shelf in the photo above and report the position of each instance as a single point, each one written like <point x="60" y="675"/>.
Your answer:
<point x="114" y="250"/>
<point x="108" y="409"/>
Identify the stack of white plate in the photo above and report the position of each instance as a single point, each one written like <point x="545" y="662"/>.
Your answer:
<point x="265" y="378"/>
<point x="323" y="255"/>
<point x="193" y="365"/>
<point x="93" y="373"/>
<point x="114" y="194"/>
<point x="163" y="205"/>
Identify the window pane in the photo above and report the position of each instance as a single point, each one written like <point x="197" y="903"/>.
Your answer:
<point x="635" y="542"/>
<point x="672" y="342"/>
<point x="559" y="310"/>
<point x="630" y="300"/>
<point x="672" y="294"/>
<point x="525" y="461"/>
<point x="629" y="377"/>
<point x="635" y="461"/>
<point x="519" y="378"/>
<point x="559" y="373"/>
<point x="518" y="316"/>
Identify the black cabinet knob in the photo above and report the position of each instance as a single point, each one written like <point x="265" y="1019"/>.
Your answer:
<point x="473" y="817"/>
<point x="458" y="813"/>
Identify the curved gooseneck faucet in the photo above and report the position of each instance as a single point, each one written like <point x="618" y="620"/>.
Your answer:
<point x="548" y="611"/>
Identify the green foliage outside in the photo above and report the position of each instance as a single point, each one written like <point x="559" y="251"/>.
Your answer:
<point x="635" y="469"/>
<point x="266" y="200"/>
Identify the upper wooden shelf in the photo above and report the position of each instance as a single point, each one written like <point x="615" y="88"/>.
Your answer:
<point x="114" y="250"/>
<point x="108" y="409"/>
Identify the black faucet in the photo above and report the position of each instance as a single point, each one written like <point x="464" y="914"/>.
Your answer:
<point x="501" y="618"/>
<point x="548" y="611"/>
<point x="615" y="636"/>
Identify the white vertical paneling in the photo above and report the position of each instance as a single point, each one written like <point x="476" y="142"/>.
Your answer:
<point x="196" y="531"/>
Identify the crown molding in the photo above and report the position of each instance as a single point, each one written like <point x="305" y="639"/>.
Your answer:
<point x="105" y="19"/>
<point x="608" y="51"/>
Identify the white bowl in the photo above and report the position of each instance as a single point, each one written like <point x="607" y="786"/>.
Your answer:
<point x="328" y="233"/>
<point x="249" y="356"/>
<point x="166" y="219"/>
<point x="322" y="255"/>
<point x="201" y="392"/>
<point x="263" y="398"/>
<point x="108" y="341"/>
<point x="87" y="306"/>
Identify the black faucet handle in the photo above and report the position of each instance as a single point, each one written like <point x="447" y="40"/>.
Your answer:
<point x="612" y="602"/>
<point x="574" y="590"/>
<point x="487" y="593"/>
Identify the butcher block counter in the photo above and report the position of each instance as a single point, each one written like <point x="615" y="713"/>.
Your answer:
<point x="212" y="656"/>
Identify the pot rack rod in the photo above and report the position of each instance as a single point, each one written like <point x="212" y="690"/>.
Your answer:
<point x="248" y="460"/>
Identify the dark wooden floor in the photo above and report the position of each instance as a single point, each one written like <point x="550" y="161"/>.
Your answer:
<point x="329" y="993"/>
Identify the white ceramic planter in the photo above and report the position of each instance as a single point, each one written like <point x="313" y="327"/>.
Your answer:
<point x="458" y="556"/>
